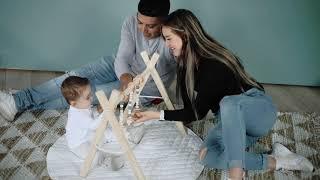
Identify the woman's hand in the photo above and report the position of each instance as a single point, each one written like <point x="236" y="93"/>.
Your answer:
<point x="145" y="116"/>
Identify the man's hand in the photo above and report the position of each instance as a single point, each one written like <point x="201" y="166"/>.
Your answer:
<point x="145" y="116"/>
<point x="125" y="79"/>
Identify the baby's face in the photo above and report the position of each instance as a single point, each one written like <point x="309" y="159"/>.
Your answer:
<point x="85" y="100"/>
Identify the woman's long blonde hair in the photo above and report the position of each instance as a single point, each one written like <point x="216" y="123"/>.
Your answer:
<point x="197" y="44"/>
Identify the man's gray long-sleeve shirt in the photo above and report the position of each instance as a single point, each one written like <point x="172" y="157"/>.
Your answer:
<point x="129" y="60"/>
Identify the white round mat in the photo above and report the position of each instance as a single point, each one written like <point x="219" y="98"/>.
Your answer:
<point x="162" y="154"/>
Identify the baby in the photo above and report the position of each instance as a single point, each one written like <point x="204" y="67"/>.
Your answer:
<point x="82" y="123"/>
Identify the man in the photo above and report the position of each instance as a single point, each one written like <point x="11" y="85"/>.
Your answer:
<point x="139" y="33"/>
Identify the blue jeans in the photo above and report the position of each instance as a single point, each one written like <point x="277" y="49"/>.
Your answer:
<point x="242" y="119"/>
<point x="48" y="95"/>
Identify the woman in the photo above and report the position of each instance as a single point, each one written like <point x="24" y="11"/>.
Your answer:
<point x="210" y="77"/>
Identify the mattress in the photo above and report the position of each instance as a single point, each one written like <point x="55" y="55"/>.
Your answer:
<point x="162" y="154"/>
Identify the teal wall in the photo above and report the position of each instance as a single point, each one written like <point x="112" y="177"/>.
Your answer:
<point x="278" y="41"/>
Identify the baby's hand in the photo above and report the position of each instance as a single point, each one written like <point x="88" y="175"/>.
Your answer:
<point x="99" y="108"/>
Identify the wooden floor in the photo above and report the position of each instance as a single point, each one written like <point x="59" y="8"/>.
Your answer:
<point x="287" y="98"/>
<point x="295" y="98"/>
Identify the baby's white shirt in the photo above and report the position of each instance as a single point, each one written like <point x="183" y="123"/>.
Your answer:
<point x="81" y="127"/>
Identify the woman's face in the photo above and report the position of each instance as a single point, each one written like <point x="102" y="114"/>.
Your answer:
<point x="173" y="41"/>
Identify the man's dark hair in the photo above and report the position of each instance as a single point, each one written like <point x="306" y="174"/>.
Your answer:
<point x="154" y="8"/>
